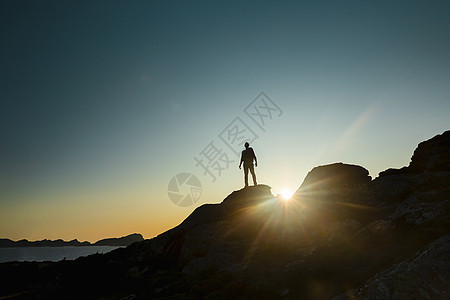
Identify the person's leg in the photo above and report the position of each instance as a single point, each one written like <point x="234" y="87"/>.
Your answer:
<point x="246" y="175"/>
<point x="252" y="170"/>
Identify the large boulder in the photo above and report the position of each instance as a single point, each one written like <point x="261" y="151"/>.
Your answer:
<point x="432" y="155"/>
<point x="418" y="194"/>
<point x="335" y="176"/>
<point x="336" y="192"/>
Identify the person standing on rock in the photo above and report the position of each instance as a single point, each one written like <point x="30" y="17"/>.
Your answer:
<point x="247" y="157"/>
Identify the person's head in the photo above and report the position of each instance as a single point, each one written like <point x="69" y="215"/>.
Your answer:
<point x="246" y="145"/>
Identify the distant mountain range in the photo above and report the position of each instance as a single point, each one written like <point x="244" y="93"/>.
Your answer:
<point x="122" y="241"/>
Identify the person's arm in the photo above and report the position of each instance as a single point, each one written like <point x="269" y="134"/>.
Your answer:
<point x="242" y="160"/>
<point x="254" y="156"/>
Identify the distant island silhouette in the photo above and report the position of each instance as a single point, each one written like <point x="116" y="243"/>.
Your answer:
<point x="122" y="241"/>
<point x="343" y="235"/>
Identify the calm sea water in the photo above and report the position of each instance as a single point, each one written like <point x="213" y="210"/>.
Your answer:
<point x="50" y="253"/>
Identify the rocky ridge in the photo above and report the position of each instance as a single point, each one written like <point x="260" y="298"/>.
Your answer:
<point x="342" y="236"/>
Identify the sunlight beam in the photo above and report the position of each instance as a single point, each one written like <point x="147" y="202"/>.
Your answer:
<point x="286" y="194"/>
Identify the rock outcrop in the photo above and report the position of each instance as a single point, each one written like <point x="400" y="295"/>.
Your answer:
<point x="335" y="176"/>
<point x="432" y="155"/>
<point x="342" y="235"/>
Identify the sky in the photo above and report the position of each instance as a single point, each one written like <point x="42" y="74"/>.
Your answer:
<point x="102" y="103"/>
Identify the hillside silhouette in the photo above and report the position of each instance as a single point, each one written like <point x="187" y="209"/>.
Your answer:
<point x="122" y="241"/>
<point x="341" y="236"/>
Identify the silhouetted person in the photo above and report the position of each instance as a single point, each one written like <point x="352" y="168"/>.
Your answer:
<point x="247" y="157"/>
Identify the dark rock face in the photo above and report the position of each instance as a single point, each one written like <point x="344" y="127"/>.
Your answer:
<point x="335" y="176"/>
<point x="342" y="235"/>
<point x="337" y="192"/>
<point x="432" y="155"/>
<point x="423" y="276"/>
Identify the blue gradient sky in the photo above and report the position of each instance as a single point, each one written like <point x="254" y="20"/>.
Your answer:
<point x="101" y="103"/>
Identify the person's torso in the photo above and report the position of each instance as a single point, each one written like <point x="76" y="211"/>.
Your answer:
<point x="248" y="155"/>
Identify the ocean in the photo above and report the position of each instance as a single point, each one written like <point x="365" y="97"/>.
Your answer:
<point x="50" y="253"/>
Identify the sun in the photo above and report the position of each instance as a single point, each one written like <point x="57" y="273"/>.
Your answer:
<point x="286" y="194"/>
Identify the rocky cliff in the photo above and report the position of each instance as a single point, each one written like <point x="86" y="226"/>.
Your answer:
<point x="342" y="236"/>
